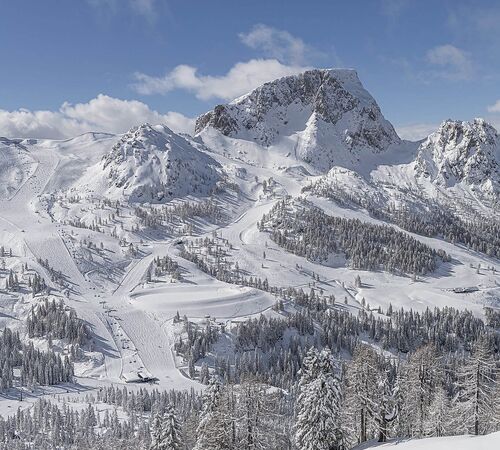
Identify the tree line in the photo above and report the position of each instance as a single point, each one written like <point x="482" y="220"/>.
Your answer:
<point x="307" y="231"/>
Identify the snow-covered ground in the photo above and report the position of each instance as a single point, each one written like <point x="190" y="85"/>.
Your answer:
<point x="132" y="319"/>
<point x="488" y="442"/>
<point x="92" y="220"/>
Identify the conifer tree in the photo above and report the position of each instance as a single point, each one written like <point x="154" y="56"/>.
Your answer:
<point x="476" y="384"/>
<point x="317" y="425"/>
<point x="213" y="432"/>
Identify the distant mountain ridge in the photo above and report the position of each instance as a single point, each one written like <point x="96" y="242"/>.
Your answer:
<point x="327" y="119"/>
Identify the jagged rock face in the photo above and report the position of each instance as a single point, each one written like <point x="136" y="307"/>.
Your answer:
<point x="328" y="110"/>
<point x="461" y="152"/>
<point x="154" y="164"/>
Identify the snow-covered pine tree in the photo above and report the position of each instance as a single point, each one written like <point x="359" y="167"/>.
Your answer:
<point x="156" y="432"/>
<point x="171" y="430"/>
<point x="437" y="423"/>
<point x="317" y="425"/>
<point x="368" y="405"/>
<point x="213" y="432"/>
<point x="495" y="418"/>
<point x="385" y="405"/>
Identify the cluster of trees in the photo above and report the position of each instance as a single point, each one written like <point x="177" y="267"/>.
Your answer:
<point x="56" y="276"/>
<point x="430" y="219"/>
<point x="175" y="215"/>
<point x="165" y="266"/>
<point x="330" y="403"/>
<point x="44" y="368"/>
<point x="95" y="225"/>
<point x="168" y="416"/>
<point x="272" y="349"/>
<point x="449" y="329"/>
<point x="247" y="417"/>
<point x="4" y="252"/>
<point x="431" y="394"/>
<point x="53" y="320"/>
<point x="35" y="282"/>
<point x="99" y="222"/>
<point x="337" y="405"/>
<point x="307" y="231"/>
<point x="12" y="281"/>
<point x="212" y="257"/>
<point x="36" y="367"/>
<point x="47" y="426"/>
<point x="196" y="344"/>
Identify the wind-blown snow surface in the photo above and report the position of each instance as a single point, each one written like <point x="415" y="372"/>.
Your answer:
<point x="91" y="207"/>
<point x="488" y="442"/>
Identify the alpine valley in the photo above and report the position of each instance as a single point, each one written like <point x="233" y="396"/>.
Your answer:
<point x="293" y="275"/>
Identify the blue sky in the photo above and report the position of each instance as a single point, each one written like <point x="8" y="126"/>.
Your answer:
<point x="71" y="66"/>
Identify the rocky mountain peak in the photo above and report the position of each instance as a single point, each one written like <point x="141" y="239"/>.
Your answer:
<point x="327" y="111"/>
<point x="461" y="151"/>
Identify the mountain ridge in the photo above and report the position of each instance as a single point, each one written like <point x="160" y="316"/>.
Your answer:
<point x="311" y="108"/>
<point x="154" y="164"/>
<point x="462" y="151"/>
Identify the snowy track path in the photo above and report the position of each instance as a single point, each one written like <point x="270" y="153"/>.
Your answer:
<point x="42" y="240"/>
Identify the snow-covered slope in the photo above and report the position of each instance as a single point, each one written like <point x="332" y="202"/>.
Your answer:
<point x="103" y="209"/>
<point x="488" y="442"/>
<point x="154" y="164"/>
<point x="456" y="169"/>
<point x="15" y="165"/>
<point x="465" y="152"/>
<point x="325" y="118"/>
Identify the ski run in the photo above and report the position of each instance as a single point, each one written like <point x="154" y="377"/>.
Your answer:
<point x="292" y="276"/>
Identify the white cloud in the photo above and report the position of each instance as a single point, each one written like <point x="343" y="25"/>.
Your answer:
<point x="454" y="63"/>
<point x="416" y="131"/>
<point x="102" y="113"/>
<point x="495" y="108"/>
<point x="283" y="55"/>
<point x="179" y="122"/>
<point x="279" y="44"/>
<point x="240" y="79"/>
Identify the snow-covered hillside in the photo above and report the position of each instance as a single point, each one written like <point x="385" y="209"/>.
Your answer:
<point x="154" y="164"/>
<point x="295" y="218"/>
<point x="15" y="166"/>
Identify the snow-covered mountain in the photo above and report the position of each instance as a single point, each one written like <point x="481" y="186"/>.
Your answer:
<point x="154" y="164"/>
<point x="295" y="217"/>
<point x="462" y="152"/>
<point x="324" y="117"/>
